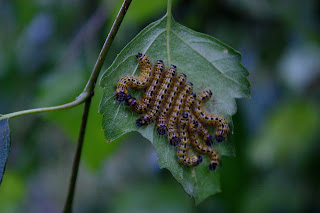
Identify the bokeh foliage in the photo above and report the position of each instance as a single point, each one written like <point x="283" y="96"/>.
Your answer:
<point x="280" y="45"/>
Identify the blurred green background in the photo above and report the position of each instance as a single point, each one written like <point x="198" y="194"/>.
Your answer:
<point x="47" y="51"/>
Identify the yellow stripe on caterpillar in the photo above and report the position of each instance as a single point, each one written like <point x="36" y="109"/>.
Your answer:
<point x="183" y="148"/>
<point x="219" y="122"/>
<point x="165" y="87"/>
<point x="147" y="98"/>
<point x="176" y="111"/>
<point x="132" y="82"/>
<point x="162" y="124"/>
<point x="203" y="148"/>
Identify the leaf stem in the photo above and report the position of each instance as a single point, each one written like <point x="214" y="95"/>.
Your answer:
<point x="169" y="6"/>
<point x="88" y="89"/>
<point x="94" y="75"/>
<point x="77" y="157"/>
<point x="168" y="26"/>
<point x="81" y="98"/>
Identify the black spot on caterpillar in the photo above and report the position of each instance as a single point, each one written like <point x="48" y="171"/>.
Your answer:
<point x="162" y="125"/>
<point x="170" y="102"/>
<point x="132" y="82"/>
<point x="176" y="111"/>
<point x="222" y="127"/>
<point x="205" y="134"/>
<point x="160" y="98"/>
<point x="200" y="147"/>
<point x="183" y="148"/>
<point x="147" y="98"/>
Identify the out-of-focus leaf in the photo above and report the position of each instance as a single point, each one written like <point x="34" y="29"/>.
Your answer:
<point x="142" y="198"/>
<point x="4" y="145"/>
<point x="57" y="89"/>
<point x="208" y="63"/>
<point x="11" y="192"/>
<point x="287" y="136"/>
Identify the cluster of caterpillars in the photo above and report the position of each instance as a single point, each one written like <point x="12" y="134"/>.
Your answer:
<point x="169" y="100"/>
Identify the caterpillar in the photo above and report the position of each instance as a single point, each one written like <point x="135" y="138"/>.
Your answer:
<point x="162" y="125"/>
<point x="203" y="132"/>
<point x="151" y="115"/>
<point x="173" y="137"/>
<point x="183" y="148"/>
<point x="132" y="82"/>
<point x="169" y="101"/>
<point x="203" y="148"/>
<point x="210" y="119"/>
<point x="148" y="97"/>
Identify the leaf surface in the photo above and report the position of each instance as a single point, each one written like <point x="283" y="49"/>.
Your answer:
<point x="4" y="145"/>
<point x="208" y="64"/>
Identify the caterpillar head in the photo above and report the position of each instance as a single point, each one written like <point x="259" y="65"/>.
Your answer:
<point x="162" y="129"/>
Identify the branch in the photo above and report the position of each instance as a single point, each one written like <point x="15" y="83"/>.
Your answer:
<point x="89" y="89"/>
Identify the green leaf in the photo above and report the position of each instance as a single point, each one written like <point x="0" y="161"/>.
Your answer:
<point x="4" y="145"/>
<point x="208" y="63"/>
<point x="54" y="90"/>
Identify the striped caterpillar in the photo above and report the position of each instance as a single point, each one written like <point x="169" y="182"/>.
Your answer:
<point x="178" y="112"/>
<point x="200" y="147"/>
<point x="173" y="135"/>
<point x="131" y="82"/>
<point x="148" y="97"/>
<point x="165" y="87"/>
<point x="203" y="132"/>
<point x="162" y="125"/>
<point x="210" y="119"/>
<point x="183" y="148"/>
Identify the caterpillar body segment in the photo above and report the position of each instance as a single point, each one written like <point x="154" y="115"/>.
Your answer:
<point x="221" y="124"/>
<point x="147" y="98"/>
<point x="165" y="87"/>
<point x="162" y="124"/>
<point x="201" y="147"/>
<point x="169" y="100"/>
<point x="183" y="148"/>
<point x="176" y="111"/>
<point x="135" y="82"/>
<point x="222" y="129"/>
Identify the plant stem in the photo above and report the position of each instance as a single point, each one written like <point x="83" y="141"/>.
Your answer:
<point x="94" y="75"/>
<point x="89" y="89"/>
<point x="168" y="26"/>
<point x="106" y="46"/>
<point x="82" y="97"/>
<point x="169" y="6"/>
<point x="76" y="161"/>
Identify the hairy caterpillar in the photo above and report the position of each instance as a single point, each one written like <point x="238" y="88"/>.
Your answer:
<point x="152" y="114"/>
<point x="203" y="132"/>
<point x="148" y="97"/>
<point x="183" y="148"/>
<point x="173" y="135"/>
<point x="202" y="148"/>
<point x="141" y="82"/>
<point x="162" y="125"/>
<point x="210" y="119"/>
<point x="180" y="113"/>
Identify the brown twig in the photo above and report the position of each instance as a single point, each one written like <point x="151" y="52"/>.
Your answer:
<point x="90" y="89"/>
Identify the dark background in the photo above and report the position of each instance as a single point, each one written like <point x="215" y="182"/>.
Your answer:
<point x="47" y="51"/>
